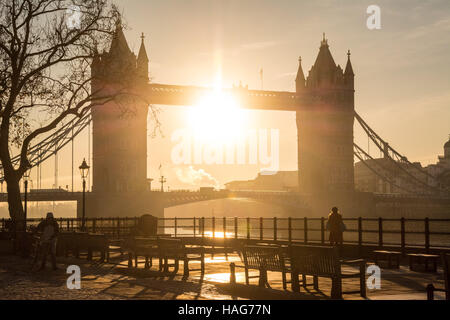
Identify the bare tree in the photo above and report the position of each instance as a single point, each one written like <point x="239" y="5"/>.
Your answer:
<point x="46" y="48"/>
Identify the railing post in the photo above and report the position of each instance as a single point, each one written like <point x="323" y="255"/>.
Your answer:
<point x="290" y="229"/>
<point x="94" y="227"/>
<point x="380" y="232"/>
<point x="236" y="227"/>
<point x="261" y="229"/>
<point x="402" y="235"/>
<point x="203" y="227"/>
<point x="118" y="228"/>
<point x="175" y="226"/>
<point x="194" y="226"/>
<point x="248" y="228"/>
<point x="275" y="228"/>
<point x="224" y="225"/>
<point x="214" y="227"/>
<point x="427" y="235"/>
<point x="68" y="224"/>
<point x="305" y="229"/>
<point x="322" y="230"/>
<point x="360" y="232"/>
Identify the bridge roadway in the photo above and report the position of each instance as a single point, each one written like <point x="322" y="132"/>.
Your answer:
<point x="170" y="199"/>
<point x="174" y="198"/>
<point x="165" y="94"/>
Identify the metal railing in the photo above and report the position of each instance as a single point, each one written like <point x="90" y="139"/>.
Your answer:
<point x="427" y="233"/>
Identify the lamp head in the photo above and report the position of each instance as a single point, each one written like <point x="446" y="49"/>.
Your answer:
<point x="84" y="169"/>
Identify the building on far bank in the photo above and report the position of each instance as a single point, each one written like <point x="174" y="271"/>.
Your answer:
<point x="281" y="181"/>
<point x="441" y="169"/>
<point x="366" y="180"/>
<point x="399" y="174"/>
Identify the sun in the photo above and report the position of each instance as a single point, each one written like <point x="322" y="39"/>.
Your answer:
<point x="217" y="117"/>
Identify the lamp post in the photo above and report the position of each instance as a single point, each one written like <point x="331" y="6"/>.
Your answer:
<point x="26" y="176"/>
<point x="162" y="180"/>
<point x="84" y="170"/>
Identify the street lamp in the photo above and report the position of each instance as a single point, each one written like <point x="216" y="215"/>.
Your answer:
<point x="26" y="176"/>
<point x="162" y="180"/>
<point x="84" y="170"/>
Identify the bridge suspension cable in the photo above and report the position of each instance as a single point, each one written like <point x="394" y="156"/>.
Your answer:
<point x="400" y="161"/>
<point x="52" y="143"/>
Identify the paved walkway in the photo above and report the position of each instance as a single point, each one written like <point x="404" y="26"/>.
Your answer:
<point x="116" y="281"/>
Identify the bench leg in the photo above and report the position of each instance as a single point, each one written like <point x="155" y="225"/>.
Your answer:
<point x="304" y="280"/>
<point x="316" y="282"/>
<point x="247" y="281"/>
<point x="294" y="282"/>
<point x="177" y="266"/>
<point x="186" y="268"/>
<point x="263" y="278"/>
<point x="130" y="259"/>
<point x="283" y="275"/>
<point x="430" y="292"/>
<point x="146" y="266"/>
<point x="362" y="280"/>
<point x="136" y="260"/>
<point x="336" y="288"/>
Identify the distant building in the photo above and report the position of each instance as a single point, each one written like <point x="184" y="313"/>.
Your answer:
<point x="441" y="170"/>
<point x="399" y="174"/>
<point x="281" y="181"/>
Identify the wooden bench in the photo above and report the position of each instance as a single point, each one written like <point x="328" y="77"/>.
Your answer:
<point x="445" y="258"/>
<point x="319" y="261"/>
<point x="142" y="246"/>
<point x="389" y="256"/>
<point x="77" y="242"/>
<point x="262" y="258"/>
<point x="174" y="249"/>
<point x="423" y="258"/>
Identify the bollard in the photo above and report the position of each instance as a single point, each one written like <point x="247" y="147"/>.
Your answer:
<point x="232" y="273"/>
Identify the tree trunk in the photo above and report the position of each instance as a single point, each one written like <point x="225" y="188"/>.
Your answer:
<point x="16" y="211"/>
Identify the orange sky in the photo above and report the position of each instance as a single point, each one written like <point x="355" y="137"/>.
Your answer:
<point x="402" y="72"/>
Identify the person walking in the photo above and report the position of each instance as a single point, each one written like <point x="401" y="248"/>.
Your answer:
<point x="336" y="227"/>
<point x="47" y="243"/>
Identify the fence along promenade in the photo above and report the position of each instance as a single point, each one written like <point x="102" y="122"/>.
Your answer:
<point x="426" y="233"/>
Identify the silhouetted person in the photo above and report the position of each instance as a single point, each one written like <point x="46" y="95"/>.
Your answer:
<point x="336" y="227"/>
<point x="47" y="243"/>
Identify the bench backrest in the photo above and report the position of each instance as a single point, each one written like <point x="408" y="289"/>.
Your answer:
<point x="315" y="260"/>
<point x="170" y="246"/>
<point x="269" y="257"/>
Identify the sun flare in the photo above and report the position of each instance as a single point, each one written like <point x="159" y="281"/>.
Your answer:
<point x="217" y="116"/>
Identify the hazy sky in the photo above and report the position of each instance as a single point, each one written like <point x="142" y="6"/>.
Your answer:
<point x="402" y="71"/>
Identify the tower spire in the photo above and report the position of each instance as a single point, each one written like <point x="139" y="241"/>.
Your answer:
<point x="142" y="60"/>
<point x="300" y="79"/>
<point x="348" y="67"/>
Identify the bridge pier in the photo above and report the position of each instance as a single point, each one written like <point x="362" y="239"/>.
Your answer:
<point x="122" y="205"/>
<point x="350" y="204"/>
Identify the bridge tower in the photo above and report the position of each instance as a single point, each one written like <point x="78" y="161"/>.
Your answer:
<point x="325" y="126"/>
<point x="119" y="125"/>
<point x="120" y="133"/>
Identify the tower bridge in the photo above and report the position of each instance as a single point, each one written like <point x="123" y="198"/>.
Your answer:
<point x="325" y="116"/>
